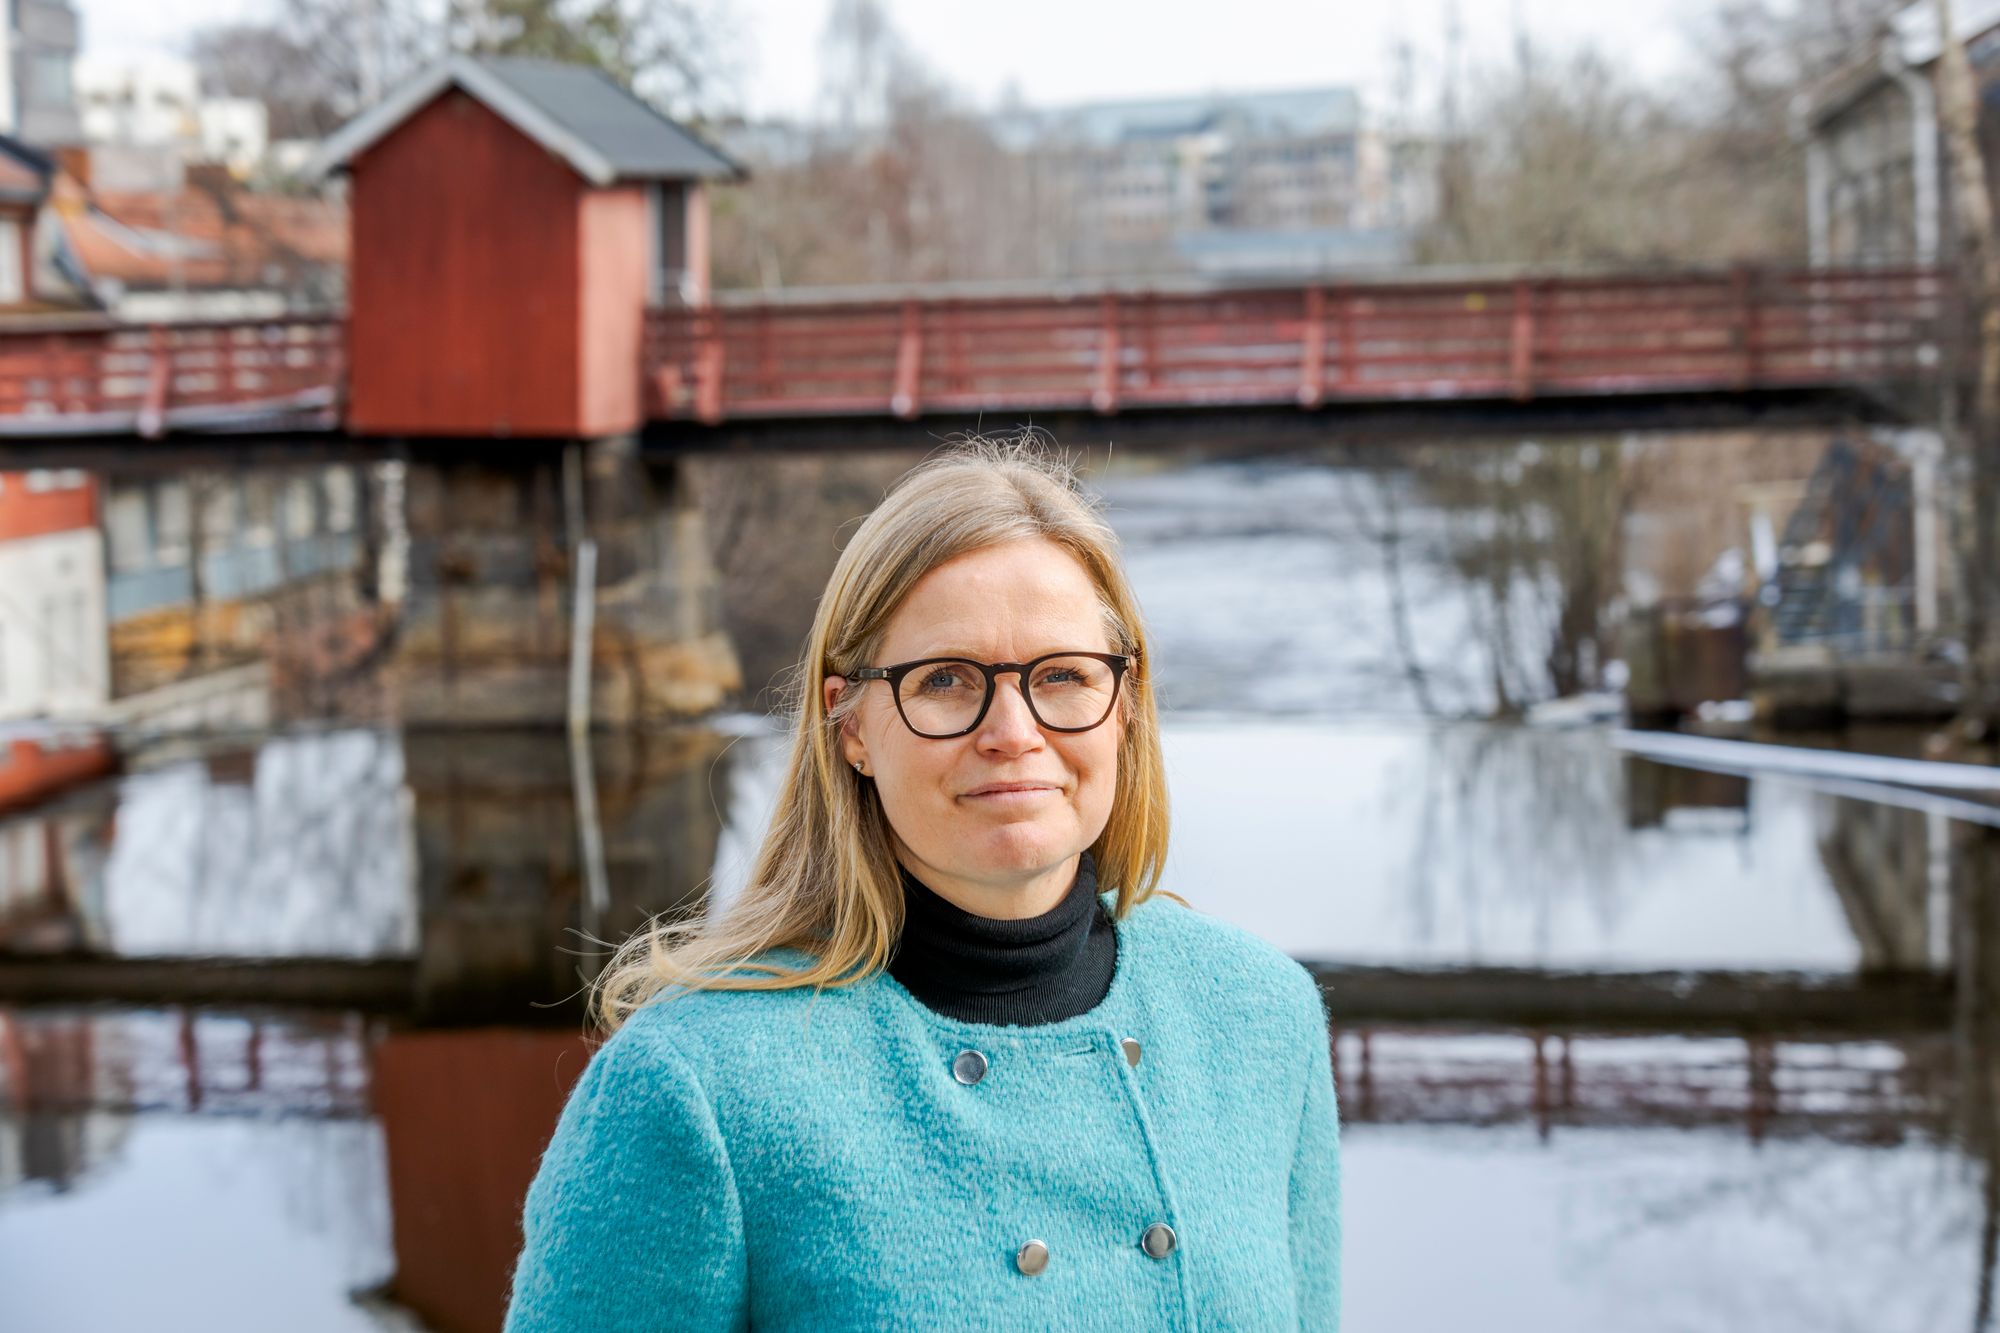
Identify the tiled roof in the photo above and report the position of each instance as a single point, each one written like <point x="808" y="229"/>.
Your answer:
<point x="214" y="237"/>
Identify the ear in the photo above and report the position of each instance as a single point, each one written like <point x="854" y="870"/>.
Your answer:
<point x="852" y="748"/>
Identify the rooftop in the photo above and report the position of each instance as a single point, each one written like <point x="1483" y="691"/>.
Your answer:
<point x="1296" y="113"/>
<point x="581" y="114"/>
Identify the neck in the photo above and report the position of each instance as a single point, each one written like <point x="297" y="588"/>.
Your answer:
<point x="1010" y="900"/>
<point x="1007" y="970"/>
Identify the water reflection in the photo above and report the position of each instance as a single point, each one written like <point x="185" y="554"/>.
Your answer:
<point x="455" y="852"/>
<point x="1477" y="845"/>
<point x="360" y="1170"/>
<point x="1417" y="847"/>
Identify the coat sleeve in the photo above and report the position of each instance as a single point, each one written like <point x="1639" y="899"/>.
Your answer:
<point x="634" y="1211"/>
<point x="1315" y="1195"/>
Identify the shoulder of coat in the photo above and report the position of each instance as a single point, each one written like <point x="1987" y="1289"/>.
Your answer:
<point x="700" y="1023"/>
<point x="1246" y="964"/>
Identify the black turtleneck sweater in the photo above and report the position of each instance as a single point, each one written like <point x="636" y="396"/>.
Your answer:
<point x="981" y="970"/>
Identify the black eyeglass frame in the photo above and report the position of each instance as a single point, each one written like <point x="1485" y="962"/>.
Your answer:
<point x="1119" y="663"/>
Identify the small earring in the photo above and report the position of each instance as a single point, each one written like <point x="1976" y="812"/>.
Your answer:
<point x="859" y="769"/>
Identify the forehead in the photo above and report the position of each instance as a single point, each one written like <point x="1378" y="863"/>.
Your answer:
<point x="1024" y="597"/>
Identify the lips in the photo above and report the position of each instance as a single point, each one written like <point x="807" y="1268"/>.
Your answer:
<point x="1002" y="788"/>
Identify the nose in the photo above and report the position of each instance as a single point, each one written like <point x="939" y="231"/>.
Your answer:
<point x="1008" y="725"/>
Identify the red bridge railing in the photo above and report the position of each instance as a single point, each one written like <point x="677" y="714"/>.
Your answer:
<point x="102" y="378"/>
<point x="1492" y="338"/>
<point x="944" y="352"/>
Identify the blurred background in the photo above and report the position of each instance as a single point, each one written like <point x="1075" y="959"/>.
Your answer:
<point x="1556" y="445"/>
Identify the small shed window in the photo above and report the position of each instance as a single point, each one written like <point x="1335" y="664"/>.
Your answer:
<point x="669" y="232"/>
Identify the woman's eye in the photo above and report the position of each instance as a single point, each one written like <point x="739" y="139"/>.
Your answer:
<point x="1063" y="676"/>
<point x="943" y="678"/>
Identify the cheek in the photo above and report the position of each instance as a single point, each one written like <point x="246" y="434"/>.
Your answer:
<point x="911" y="774"/>
<point x="1097" y="767"/>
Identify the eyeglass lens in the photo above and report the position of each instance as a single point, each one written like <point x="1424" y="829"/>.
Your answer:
<point x="944" y="698"/>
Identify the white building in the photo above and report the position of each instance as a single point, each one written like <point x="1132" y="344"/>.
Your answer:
<point x="54" y="647"/>
<point x="1232" y="176"/>
<point x="152" y="99"/>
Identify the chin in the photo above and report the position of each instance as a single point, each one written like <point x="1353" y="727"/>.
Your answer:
<point x="1023" y="847"/>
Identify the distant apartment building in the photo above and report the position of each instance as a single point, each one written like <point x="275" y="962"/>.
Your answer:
<point x="54" y="657"/>
<point x="1275" y="181"/>
<point x="37" y="92"/>
<point x="130" y="104"/>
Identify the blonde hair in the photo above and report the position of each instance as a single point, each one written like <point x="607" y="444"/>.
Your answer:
<point x="826" y="880"/>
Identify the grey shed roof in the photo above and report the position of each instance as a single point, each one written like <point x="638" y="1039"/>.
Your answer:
<point x="636" y="140"/>
<point x="575" y="111"/>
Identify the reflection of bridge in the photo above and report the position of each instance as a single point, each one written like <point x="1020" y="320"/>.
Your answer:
<point x="1855" y="1091"/>
<point x="455" y="1181"/>
<point x="1602" y="344"/>
<point x="71" y="1061"/>
<point x="298" y="1062"/>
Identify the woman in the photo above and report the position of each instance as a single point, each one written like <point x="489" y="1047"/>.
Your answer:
<point x="950" y="1060"/>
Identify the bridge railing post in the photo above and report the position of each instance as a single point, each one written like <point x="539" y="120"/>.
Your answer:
<point x="1105" y="396"/>
<point x="709" y="365"/>
<point x="909" y="363"/>
<point x="951" y="325"/>
<point x="159" y="376"/>
<point x="1312" y="350"/>
<point x="1350" y="350"/>
<point x="1521" y="361"/>
<point x="1750" y="330"/>
<point x="769" y="381"/>
<point x="1149" y="336"/>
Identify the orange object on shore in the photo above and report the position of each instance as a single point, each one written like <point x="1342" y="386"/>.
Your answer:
<point x="41" y="760"/>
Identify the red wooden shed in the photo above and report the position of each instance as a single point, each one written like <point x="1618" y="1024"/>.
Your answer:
<point x="510" y="219"/>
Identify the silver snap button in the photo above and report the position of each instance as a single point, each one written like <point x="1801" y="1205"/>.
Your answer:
<point x="969" y="1067"/>
<point x="1131" y="1048"/>
<point x="1158" y="1242"/>
<point x="1032" y="1257"/>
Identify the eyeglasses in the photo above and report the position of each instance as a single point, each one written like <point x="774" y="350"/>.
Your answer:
<point x="943" y="697"/>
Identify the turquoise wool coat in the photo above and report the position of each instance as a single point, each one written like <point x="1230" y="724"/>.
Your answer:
<point x="853" y="1160"/>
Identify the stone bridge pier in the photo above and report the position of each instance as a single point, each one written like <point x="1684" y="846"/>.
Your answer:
<point x="487" y="572"/>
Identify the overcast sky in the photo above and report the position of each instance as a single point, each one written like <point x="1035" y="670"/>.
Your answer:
<point x="1075" y="50"/>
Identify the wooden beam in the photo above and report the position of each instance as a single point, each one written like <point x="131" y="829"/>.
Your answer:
<point x="373" y="986"/>
<point x="1672" y="1001"/>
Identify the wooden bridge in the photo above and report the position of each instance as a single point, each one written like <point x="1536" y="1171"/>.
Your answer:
<point x="1485" y="342"/>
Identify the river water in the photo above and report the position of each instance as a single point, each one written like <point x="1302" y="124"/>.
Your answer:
<point x="250" y="1167"/>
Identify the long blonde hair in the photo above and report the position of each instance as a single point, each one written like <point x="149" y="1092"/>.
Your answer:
<point x="826" y="880"/>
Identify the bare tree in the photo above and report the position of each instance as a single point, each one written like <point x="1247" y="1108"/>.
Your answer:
<point x="303" y="94"/>
<point x="315" y="63"/>
<point x="1975" y="436"/>
<point x="1573" y="159"/>
<point x="902" y="184"/>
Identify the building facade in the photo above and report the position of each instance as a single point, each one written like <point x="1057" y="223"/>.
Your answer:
<point x="1277" y="181"/>
<point x="1878" y="187"/>
<point x="54" y="659"/>
<point x="154" y="101"/>
<point x="38" y="100"/>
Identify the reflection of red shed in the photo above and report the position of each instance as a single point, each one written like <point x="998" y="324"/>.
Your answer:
<point x="511" y="218"/>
